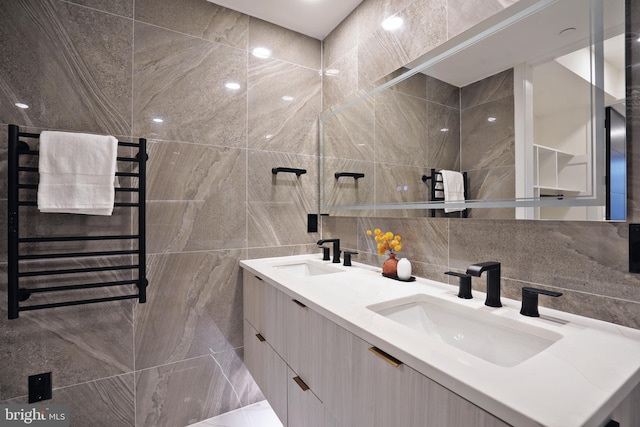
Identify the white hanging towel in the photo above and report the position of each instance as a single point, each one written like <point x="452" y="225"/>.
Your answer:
<point x="453" y="188"/>
<point x="77" y="173"/>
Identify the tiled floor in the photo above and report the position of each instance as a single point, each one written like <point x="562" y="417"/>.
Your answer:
<point x="257" y="415"/>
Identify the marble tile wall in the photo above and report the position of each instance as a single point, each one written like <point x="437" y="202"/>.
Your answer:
<point x="487" y="148"/>
<point x="111" y="67"/>
<point x="586" y="261"/>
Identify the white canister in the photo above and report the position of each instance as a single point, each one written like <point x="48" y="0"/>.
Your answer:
<point x="404" y="269"/>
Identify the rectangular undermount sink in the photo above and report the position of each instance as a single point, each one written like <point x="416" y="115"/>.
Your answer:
<point x="501" y="341"/>
<point x="307" y="268"/>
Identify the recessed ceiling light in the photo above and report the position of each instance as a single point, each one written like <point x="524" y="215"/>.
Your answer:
<point x="261" y="52"/>
<point x="21" y="105"/>
<point x="444" y="130"/>
<point x="158" y="120"/>
<point x="287" y="98"/>
<point x="269" y="136"/>
<point x="392" y="23"/>
<point x="491" y="119"/>
<point x="331" y="72"/>
<point x="232" y="85"/>
<point x="638" y="39"/>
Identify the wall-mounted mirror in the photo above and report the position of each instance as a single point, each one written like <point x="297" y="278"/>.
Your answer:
<point x="515" y="106"/>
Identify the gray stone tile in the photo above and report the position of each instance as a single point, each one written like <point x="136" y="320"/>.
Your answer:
<point x="181" y="79"/>
<point x="463" y="14"/>
<point x="71" y="65"/>
<point x="189" y="391"/>
<point x="103" y="402"/>
<point x="487" y="144"/>
<point x="336" y="88"/>
<point x="581" y="256"/>
<point x="442" y="93"/>
<point x="273" y="223"/>
<point x="197" y="18"/>
<point x="265" y="187"/>
<point x="193" y="307"/>
<point x="61" y="340"/>
<point x="285" y="44"/>
<point x="342" y="39"/>
<point x="443" y="130"/>
<point x="349" y="134"/>
<point x="118" y="7"/>
<point x="401" y="129"/>
<point x="276" y="123"/>
<point x="492" y="88"/>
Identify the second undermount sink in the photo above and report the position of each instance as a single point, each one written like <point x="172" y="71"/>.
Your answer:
<point x="307" y="268"/>
<point x="501" y="341"/>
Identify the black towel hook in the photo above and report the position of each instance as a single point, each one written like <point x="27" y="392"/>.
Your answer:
<point x="297" y="171"/>
<point x="354" y="175"/>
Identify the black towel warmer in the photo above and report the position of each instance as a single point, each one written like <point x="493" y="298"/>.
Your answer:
<point x="16" y="293"/>
<point x="437" y="194"/>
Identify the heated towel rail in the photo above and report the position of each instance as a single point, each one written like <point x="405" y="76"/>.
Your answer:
<point x="27" y="263"/>
<point x="437" y="190"/>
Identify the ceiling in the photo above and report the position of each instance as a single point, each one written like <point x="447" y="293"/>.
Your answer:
<point x="314" y="18"/>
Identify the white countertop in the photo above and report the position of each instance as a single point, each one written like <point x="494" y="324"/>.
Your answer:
<point x="577" y="381"/>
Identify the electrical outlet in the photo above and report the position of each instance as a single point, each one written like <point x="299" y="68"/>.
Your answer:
<point x="40" y="387"/>
<point x="312" y="223"/>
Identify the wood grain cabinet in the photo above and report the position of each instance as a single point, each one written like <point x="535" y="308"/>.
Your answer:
<point x="315" y="373"/>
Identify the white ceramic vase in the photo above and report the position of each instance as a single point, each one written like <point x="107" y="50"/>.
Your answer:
<point x="404" y="269"/>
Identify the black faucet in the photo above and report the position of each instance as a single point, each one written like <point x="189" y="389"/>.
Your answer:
<point x="336" y="248"/>
<point x="530" y="300"/>
<point x="493" y="280"/>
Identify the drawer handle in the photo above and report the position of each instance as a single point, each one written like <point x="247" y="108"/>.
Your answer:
<point x="260" y="337"/>
<point x="299" y="303"/>
<point x="301" y="383"/>
<point x="385" y="356"/>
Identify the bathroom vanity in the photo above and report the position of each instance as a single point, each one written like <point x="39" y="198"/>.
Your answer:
<point x="331" y="345"/>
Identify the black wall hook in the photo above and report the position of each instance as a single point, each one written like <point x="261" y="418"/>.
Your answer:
<point x="297" y="171"/>
<point x="354" y="175"/>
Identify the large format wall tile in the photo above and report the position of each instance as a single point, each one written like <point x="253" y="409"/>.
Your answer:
<point x="349" y="134"/>
<point x="193" y="197"/>
<point x="188" y="391"/>
<point x="381" y="52"/>
<point x="181" y="79"/>
<point x="278" y="204"/>
<point x="283" y="124"/>
<point x="443" y="136"/>
<point x="400" y="129"/>
<point x="464" y="14"/>
<point x="194" y="306"/>
<point x="340" y="80"/>
<point x="488" y="144"/>
<point x="117" y="7"/>
<point x="342" y="39"/>
<point x="285" y="44"/>
<point x="199" y="18"/>
<point x="61" y="340"/>
<point x="492" y="88"/>
<point x="104" y="402"/>
<point x="581" y="256"/>
<point x="70" y="64"/>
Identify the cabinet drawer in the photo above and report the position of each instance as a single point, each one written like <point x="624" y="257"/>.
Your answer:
<point x="268" y="370"/>
<point x="264" y="309"/>
<point x="305" y="409"/>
